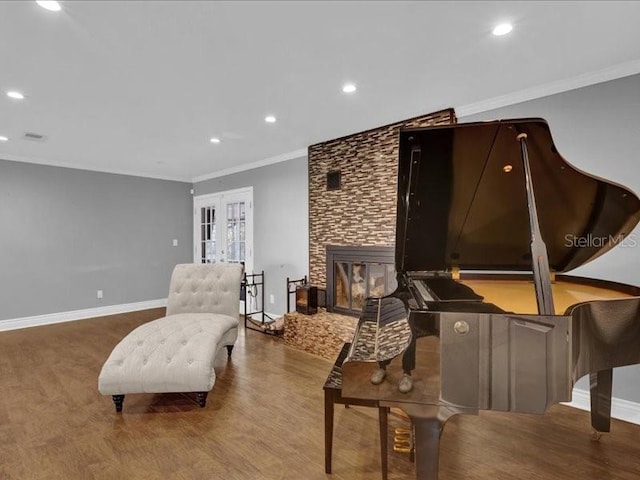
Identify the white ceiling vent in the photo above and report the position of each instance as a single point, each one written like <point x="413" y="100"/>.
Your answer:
<point x="34" y="137"/>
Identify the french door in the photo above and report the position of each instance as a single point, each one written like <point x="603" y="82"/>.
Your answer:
<point x="223" y="227"/>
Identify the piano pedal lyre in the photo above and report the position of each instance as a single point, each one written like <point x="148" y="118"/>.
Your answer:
<point x="403" y="442"/>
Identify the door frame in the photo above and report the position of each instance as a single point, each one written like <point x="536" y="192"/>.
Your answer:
<point x="200" y="201"/>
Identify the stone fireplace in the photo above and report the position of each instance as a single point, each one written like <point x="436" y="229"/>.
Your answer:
<point x="353" y="190"/>
<point x="355" y="273"/>
<point x="352" y="207"/>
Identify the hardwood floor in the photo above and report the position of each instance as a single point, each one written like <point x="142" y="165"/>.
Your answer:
<point x="263" y="420"/>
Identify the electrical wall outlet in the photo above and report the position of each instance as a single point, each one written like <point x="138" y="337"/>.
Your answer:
<point x="272" y="299"/>
<point x="175" y="242"/>
<point x="99" y="294"/>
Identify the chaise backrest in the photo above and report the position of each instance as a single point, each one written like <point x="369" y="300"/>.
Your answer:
<point x="205" y="288"/>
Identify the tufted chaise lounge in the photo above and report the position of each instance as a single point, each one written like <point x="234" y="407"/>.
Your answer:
<point x="176" y="353"/>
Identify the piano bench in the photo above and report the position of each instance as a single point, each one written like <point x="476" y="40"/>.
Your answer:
<point x="332" y="395"/>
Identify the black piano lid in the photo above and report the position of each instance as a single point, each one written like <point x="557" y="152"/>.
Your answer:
<point x="463" y="204"/>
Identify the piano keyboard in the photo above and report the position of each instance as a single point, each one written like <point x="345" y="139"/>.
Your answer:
<point x="423" y="290"/>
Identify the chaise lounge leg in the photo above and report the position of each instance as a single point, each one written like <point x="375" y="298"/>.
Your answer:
<point x="118" y="399"/>
<point x="229" y="350"/>
<point x="201" y="398"/>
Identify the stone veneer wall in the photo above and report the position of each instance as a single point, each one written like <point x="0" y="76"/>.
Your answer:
<point x="321" y="334"/>
<point x="363" y="211"/>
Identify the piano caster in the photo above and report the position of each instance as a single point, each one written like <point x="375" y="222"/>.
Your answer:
<point x="595" y="435"/>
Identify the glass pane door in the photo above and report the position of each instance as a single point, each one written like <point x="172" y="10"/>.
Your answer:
<point x="207" y="234"/>
<point x="223" y="228"/>
<point x="236" y="231"/>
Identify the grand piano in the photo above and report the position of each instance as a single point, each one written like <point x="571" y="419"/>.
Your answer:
<point x="489" y="219"/>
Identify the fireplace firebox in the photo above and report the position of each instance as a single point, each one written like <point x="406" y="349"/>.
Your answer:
<point x="355" y="273"/>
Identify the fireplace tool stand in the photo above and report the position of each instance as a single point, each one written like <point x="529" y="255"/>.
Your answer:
<point x="252" y="293"/>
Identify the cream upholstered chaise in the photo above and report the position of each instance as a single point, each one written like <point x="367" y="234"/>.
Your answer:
<point x="176" y="353"/>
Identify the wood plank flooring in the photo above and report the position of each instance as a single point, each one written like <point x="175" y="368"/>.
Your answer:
<point x="263" y="420"/>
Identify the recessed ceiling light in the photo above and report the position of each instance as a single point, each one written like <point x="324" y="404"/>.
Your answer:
<point x="214" y="140"/>
<point x="349" y="88"/>
<point x="502" y="29"/>
<point x="270" y="119"/>
<point x="49" y="5"/>
<point x="3" y="138"/>
<point x="16" y="95"/>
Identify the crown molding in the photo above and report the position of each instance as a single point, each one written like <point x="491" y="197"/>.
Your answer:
<point x="250" y="166"/>
<point x="38" y="161"/>
<point x="600" y="76"/>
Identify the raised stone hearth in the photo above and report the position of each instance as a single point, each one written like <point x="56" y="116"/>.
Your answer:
<point x="321" y="334"/>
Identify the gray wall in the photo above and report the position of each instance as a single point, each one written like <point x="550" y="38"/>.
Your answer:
<point x="280" y="225"/>
<point x="66" y="233"/>
<point x="597" y="129"/>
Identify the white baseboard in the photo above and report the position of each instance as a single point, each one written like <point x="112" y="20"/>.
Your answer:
<point x="620" y="408"/>
<point x="48" y="319"/>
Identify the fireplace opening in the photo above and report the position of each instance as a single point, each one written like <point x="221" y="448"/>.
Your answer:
<point x="355" y="273"/>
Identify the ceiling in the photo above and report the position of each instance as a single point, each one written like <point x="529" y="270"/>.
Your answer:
<point x="140" y="87"/>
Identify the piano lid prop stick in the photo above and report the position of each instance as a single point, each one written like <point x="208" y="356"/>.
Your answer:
<point x="539" y="255"/>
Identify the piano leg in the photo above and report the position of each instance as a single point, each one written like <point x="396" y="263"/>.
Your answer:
<point x="428" y="423"/>
<point x="383" y="414"/>
<point x="427" y="431"/>
<point x="329" y="399"/>
<point x="601" y="386"/>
